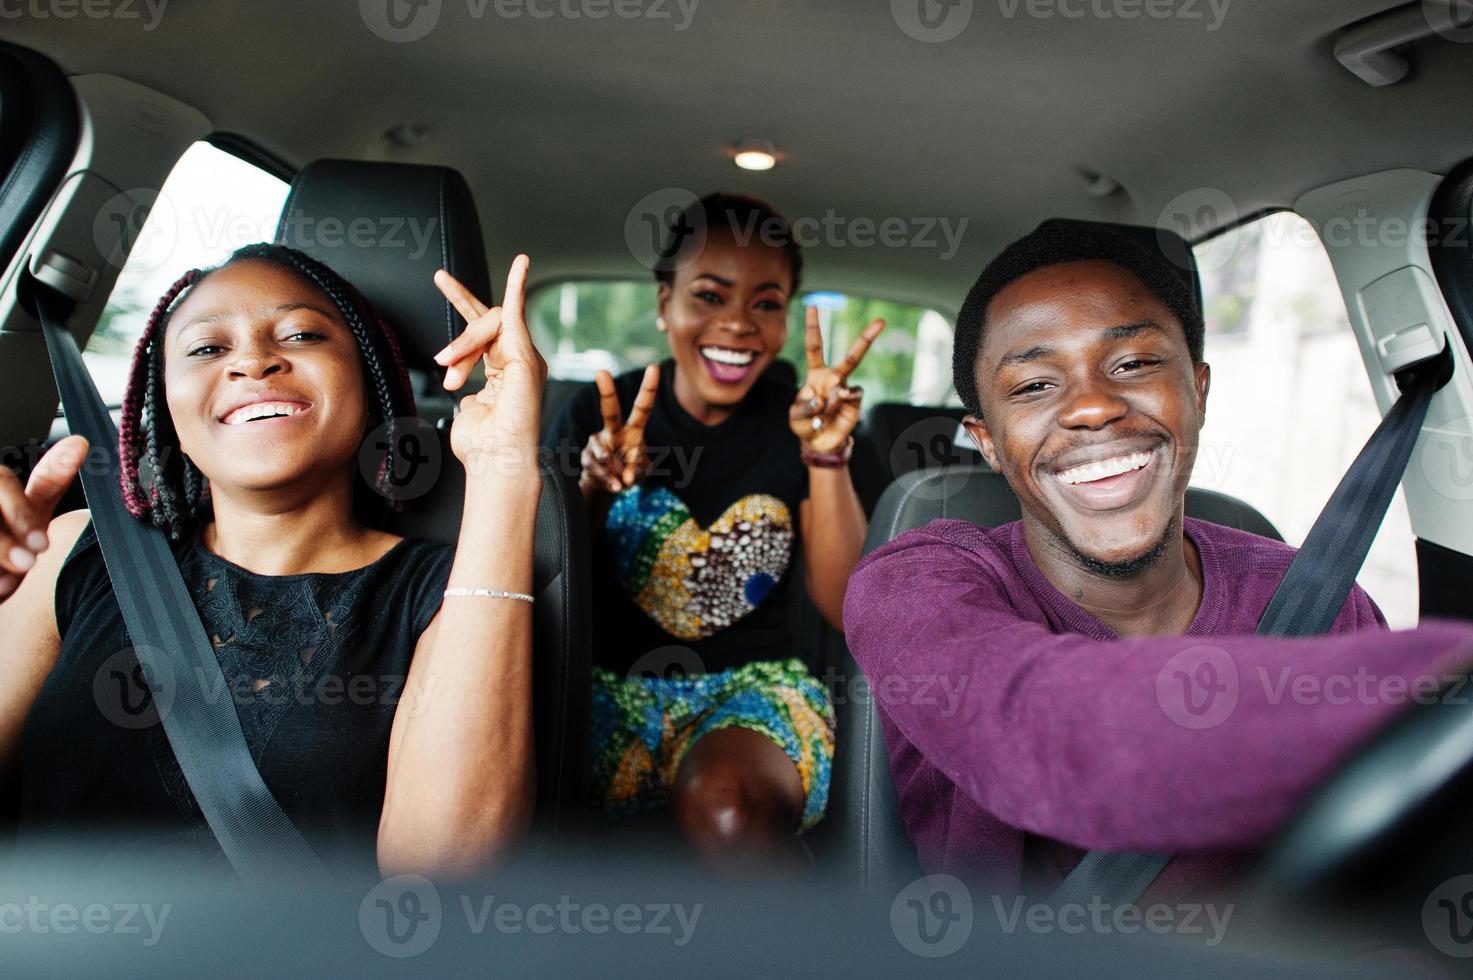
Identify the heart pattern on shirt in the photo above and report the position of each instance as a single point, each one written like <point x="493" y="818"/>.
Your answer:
<point x="695" y="581"/>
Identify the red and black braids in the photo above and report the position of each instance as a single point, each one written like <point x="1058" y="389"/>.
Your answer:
<point x="160" y="483"/>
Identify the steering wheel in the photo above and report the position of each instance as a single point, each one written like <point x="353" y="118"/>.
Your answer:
<point x="1392" y="824"/>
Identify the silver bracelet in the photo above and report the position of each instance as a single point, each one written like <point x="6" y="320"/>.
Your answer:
<point x="489" y="593"/>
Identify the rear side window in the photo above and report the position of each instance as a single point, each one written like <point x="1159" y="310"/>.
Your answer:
<point x="591" y="325"/>
<point x="212" y="203"/>
<point x="1290" y="404"/>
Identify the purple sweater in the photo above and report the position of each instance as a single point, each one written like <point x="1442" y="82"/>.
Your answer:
<point x="1009" y="709"/>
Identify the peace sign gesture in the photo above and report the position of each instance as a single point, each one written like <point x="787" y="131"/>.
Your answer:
<point x="614" y="457"/>
<point x="827" y="410"/>
<point x="503" y="417"/>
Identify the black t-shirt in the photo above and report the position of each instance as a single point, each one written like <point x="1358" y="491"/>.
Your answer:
<point x="315" y="664"/>
<point x="700" y="553"/>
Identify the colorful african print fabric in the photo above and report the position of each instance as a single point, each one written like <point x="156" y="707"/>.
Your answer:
<point x="693" y="580"/>
<point x="644" y="726"/>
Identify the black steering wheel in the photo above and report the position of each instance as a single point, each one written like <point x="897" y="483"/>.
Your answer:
<point x="1391" y="827"/>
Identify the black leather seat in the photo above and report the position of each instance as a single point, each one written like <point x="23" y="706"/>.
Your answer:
<point x="367" y="221"/>
<point x="902" y="438"/>
<point x="865" y="836"/>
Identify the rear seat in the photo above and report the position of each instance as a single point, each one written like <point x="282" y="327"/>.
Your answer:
<point x="898" y="438"/>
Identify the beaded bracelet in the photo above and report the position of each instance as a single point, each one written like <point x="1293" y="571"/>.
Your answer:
<point x="828" y="461"/>
<point x="489" y="593"/>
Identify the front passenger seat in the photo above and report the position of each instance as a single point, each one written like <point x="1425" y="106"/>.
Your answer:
<point x="386" y="227"/>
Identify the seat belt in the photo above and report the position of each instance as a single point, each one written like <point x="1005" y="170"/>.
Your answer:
<point x="1309" y="597"/>
<point x="169" y="640"/>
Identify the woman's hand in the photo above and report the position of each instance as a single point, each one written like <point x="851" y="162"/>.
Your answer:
<point x="500" y="423"/>
<point x="614" y="457"/>
<point x="827" y="410"/>
<point x="25" y="512"/>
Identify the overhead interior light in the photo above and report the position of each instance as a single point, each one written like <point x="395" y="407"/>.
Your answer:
<point x="1098" y="185"/>
<point x="754" y="154"/>
<point x="407" y="135"/>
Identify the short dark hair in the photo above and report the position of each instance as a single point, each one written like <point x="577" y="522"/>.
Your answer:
<point x="747" y="218"/>
<point x="1054" y="243"/>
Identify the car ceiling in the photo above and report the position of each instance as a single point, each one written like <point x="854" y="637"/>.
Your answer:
<point x="562" y="125"/>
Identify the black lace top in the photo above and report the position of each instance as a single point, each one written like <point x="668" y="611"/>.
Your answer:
<point x="314" y="663"/>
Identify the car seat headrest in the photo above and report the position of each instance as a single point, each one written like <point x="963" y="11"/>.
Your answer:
<point x="386" y="228"/>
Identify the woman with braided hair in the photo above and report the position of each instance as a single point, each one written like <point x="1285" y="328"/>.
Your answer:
<point x="382" y="683"/>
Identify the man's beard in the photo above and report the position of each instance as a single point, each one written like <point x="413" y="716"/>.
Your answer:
<point x="1130" y="566"/>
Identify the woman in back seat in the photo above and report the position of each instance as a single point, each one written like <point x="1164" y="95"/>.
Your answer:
<point x="252" y="390"/>
<point x="703" y="474"/>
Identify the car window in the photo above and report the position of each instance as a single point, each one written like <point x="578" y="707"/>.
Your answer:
<point x="212" y="203"/>
<point x="591" y="325"/>
<point x="1290" y="404"/>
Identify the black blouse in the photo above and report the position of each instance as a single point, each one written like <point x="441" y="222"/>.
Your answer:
<point x="700" y="554"/>
<point x="314" y="663"/>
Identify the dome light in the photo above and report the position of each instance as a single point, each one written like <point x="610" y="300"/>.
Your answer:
<point x="755" y="155"/>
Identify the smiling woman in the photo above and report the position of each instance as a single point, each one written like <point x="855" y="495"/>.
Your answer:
<point x="252" y="389"/>
<point x="701" y="555"/>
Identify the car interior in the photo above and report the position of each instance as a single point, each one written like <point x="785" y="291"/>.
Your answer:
<point x="1299" y="163"/>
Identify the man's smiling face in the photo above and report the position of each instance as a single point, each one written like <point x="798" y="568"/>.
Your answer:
<point x="1091" y="408"/>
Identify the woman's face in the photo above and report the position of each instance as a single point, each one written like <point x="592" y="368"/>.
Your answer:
<point x="263" y="379"/>
<point x="726" y="315"/>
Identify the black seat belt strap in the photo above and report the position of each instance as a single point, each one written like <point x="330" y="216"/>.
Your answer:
<point x="1309" y="597"/>
<point x="197" y="710"/>
<point x="1320" y="577"/>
